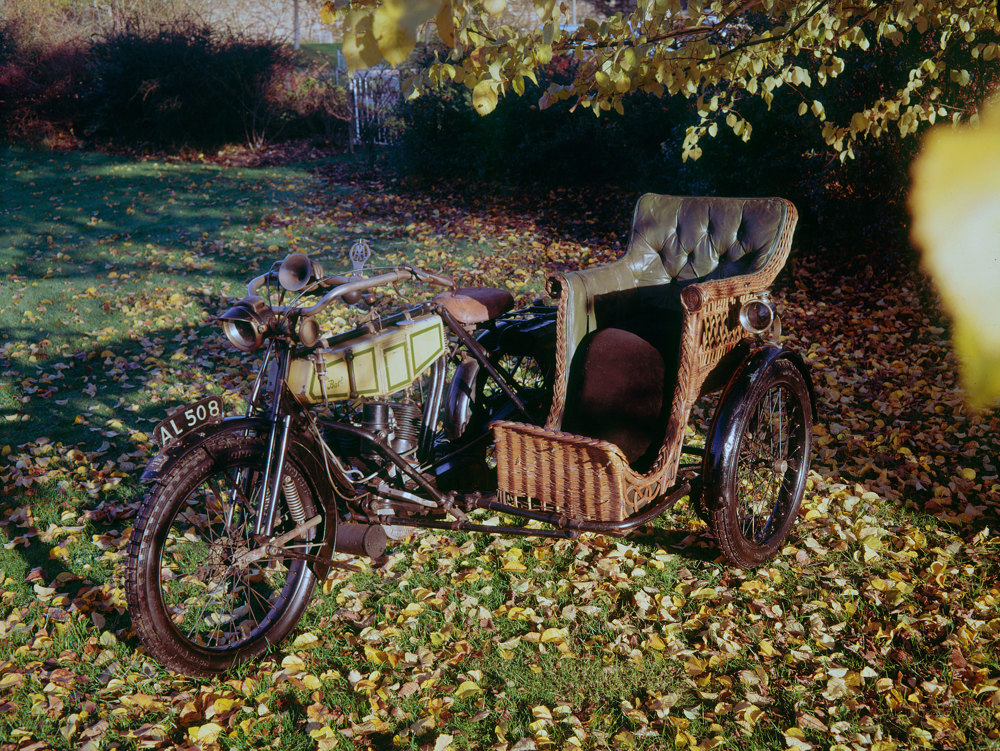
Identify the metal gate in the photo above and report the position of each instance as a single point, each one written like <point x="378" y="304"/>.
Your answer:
<point x="374" y="95"/>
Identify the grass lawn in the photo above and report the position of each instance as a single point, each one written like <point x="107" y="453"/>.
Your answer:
<point x="876" y="628"/>
<point x="320" y="52"/>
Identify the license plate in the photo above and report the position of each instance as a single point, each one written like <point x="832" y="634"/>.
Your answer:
<point x="183" y="420"/>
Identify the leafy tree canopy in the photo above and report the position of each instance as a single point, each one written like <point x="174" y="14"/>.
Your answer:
<point x="716" y="53"/>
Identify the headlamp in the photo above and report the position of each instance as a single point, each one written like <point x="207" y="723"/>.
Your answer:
<point x="247" y="323"/>
<point x="758" y="314"/>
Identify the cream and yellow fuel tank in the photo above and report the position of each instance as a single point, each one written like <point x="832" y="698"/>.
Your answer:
<point x="372" y="364"/>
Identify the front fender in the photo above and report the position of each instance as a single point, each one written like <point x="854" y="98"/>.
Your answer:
<point x="164" y="461"/>
<point x="750" y="371"/>
<point x="756" y="364"/>
<point x="302" y="445"/>
<point x="303" y="449"/>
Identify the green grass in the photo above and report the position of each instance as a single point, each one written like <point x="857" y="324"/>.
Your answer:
<point x="320" y="52"/>
<point x="107" y="262"/>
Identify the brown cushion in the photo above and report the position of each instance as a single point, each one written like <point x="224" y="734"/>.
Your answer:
<point x="616" y="393"/>
<point x="475" y="304"/>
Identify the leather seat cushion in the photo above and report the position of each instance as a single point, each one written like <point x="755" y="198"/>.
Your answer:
<point x="616" y="393"/>
<point x="476" y="304"/>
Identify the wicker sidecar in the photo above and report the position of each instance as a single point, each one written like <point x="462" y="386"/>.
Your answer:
<point x="684" y="312"/>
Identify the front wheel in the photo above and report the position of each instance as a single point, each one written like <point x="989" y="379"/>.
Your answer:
<point x="766" y="441"/>
<point x="202" y="592"/>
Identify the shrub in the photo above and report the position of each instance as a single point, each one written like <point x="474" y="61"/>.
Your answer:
<point x="856" y="208"/>
<point x="443" y="135"/>
<point x="313" y="104"/>
<point x="13" y="39"/>
<point x="40" y="87"/>
<point x="185" y="85"/>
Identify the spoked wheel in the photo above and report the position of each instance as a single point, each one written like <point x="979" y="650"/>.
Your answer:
<point x="762" y="468"/>
<point x="533" y="377"/>
<point x="202" y="591"/>
<point x="478" y="400"/>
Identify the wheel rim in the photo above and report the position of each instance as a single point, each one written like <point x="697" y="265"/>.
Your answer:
<point x="214" y="597"/>
<point x="770" y="465"/>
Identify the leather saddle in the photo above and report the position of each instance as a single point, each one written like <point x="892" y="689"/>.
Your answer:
<point x="471" y="305"/>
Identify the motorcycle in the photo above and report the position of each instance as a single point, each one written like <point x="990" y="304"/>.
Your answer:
<point x="426" y="413"/>
<point x="343" y="438"/>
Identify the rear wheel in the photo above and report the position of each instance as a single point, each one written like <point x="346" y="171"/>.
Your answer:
<point x="534" y="386"/>
<point x="751" y="507"/>
<point x="477" y="400"/>
<point x="203" y="593"/>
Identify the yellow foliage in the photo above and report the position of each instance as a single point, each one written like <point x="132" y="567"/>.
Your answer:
<point x="956" y="222"/>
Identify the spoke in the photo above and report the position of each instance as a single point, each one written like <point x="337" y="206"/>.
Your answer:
<point x="227" y="610"/>
<point x="766" y="466"/>
<point x="227" y="515"/>
<point x="266" y="602"/>
<point x="201" y="613"/>
<point x="782" y="441"/>
<point x="212" y="602"/>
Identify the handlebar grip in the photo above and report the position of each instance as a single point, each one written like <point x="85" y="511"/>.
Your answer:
<point x="430" y="276"/>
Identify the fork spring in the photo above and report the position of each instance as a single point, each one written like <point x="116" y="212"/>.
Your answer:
<point x="293" y="499"/>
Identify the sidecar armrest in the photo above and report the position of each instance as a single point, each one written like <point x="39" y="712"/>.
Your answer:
<point x="576" y="291"/>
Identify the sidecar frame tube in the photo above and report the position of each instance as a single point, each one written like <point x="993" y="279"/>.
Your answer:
<point x="566" y="528"/>
<point x="465" y="526"/>
<point x="564" y="522"/>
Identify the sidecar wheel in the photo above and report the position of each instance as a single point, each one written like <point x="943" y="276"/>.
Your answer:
<point x="195" y="605"/>
<point x="753" y="502"/>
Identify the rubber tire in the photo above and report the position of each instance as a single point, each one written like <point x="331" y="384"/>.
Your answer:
<point x="722" y="502"/>
<point x="142" y="582"/>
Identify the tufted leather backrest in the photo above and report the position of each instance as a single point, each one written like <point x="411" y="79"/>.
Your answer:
<point x="703" y="238"/>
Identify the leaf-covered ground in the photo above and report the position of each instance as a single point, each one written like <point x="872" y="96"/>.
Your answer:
<point x="877" y="626"/>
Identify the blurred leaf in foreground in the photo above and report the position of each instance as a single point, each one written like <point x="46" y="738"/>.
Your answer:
<point x="956" y="222"/>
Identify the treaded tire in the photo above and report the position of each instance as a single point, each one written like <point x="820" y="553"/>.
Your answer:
<point x="752" y="505"/>
<point x="166" y="503"/>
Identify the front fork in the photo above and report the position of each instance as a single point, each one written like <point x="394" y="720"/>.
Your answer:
<point x="277" y="442"/>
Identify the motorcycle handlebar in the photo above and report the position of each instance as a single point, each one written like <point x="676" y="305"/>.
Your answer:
<point x="345" y="285"/>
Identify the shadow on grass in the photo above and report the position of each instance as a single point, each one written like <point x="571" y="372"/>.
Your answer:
<point x="66" y="211"/>
<point x="128" y="378"/>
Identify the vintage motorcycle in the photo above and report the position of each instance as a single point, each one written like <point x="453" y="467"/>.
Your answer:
<point x="572" y="415"/>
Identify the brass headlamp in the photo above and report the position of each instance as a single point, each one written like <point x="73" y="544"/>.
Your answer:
<point x="247" y="323"/>
<point x="758" y="315"/>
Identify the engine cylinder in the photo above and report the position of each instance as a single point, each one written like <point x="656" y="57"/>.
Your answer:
<point x="407" y="433"/>
<point x="375" y="417"/>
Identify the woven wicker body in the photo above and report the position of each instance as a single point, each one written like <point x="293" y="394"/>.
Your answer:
<point x="585" y="478"/>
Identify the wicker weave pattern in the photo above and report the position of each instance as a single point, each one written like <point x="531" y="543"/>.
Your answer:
<point x="542" y="465"/>
<point x="559" y="392"/>
<point x="590" y="479"/>
<point x="720" y="329"/>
